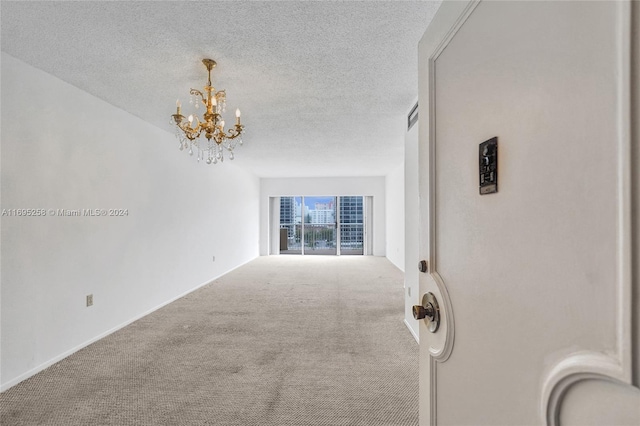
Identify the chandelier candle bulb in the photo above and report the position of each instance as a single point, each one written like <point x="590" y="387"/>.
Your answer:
<point x="237" y="116"/>
<point x="178" y="105"/>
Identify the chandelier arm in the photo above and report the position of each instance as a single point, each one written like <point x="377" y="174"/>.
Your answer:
<point x="177" y="118"/>
<point x="191" y="133"/>
<point x="233" y="133"/>
<point x="196" y="92"/>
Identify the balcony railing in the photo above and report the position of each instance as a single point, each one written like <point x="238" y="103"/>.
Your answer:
<point x="322" y="238"/>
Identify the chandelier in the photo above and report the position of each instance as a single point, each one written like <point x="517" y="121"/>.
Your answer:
<point x="189" y="129"/>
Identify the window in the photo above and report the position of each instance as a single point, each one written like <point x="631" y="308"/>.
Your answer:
<point x="322" y="225"/>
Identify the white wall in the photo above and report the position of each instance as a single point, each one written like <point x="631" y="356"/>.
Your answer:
<point x="366" y="186"/>
<point x="65" y="149"/>
<point x="411" y="224"/>
<point x="394" y="183"/>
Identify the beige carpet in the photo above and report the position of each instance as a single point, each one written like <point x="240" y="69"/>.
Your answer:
<point x="286" y="340"/>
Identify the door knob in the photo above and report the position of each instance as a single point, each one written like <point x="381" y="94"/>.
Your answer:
<point x="428" y="311"/>
<point x="423" y="266"/>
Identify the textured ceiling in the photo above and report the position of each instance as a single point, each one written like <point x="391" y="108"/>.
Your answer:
<point x="324" y="86"/>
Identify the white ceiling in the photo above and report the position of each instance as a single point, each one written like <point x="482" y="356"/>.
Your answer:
<point x="324" y="86"/>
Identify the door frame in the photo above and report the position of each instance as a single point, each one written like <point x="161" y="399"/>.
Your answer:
<point x="623" y="366"/>
<point x="434" y="348"/>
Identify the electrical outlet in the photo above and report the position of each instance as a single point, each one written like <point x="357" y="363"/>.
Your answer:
<point x="89" y="300"/>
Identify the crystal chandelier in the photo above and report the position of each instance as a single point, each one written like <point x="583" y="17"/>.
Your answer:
<point x="188" y="131"/>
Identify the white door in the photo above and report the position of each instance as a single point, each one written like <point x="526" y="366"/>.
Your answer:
<point x="534" y="282"/>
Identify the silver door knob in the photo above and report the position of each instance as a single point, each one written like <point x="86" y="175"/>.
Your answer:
<point x="422" y="312"/>
<point x="428" y="311"/>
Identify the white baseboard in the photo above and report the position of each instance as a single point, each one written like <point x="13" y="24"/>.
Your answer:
<point x="39" y="368"/>
<point x="413" y="333"/>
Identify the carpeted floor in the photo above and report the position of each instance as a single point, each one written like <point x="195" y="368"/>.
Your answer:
<point x="283" y="340"/>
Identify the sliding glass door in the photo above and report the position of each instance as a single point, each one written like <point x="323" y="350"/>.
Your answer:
<point x="290" y="225"/>
<point x="351" y="225"/>
<point x="322" y="225"/>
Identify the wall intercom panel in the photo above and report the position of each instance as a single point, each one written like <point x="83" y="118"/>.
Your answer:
<point x="488" y="163"/>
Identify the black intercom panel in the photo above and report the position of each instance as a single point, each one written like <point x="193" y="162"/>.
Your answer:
<point x="488" y="160"/>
